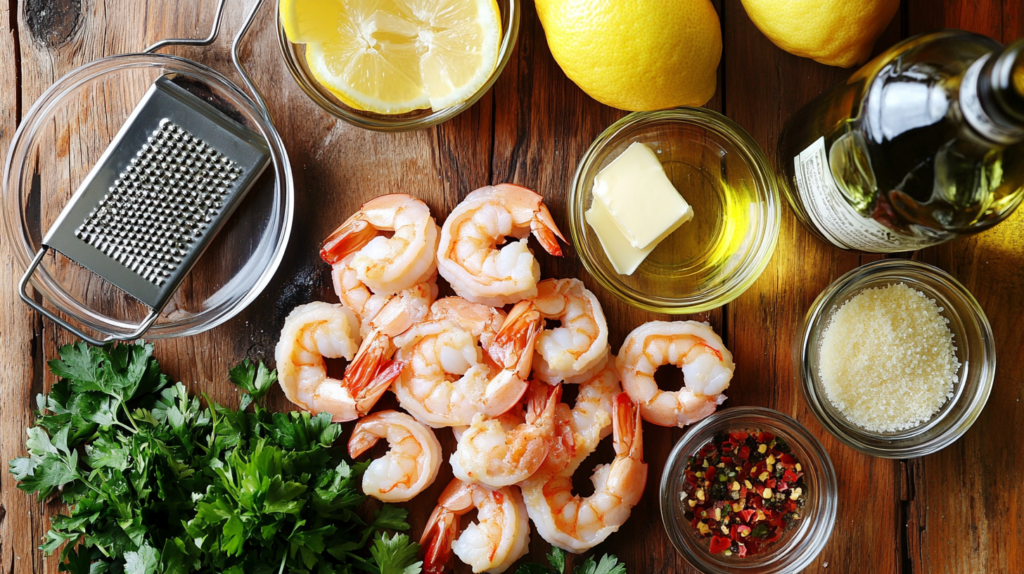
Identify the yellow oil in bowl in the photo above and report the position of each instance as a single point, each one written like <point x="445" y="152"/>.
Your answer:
<point x="724" y="176"/>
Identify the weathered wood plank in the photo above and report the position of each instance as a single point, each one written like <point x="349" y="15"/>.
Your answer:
<point x="965" y="511"/>
<point x="764" y="86"/>
<point x="19" y="329"/>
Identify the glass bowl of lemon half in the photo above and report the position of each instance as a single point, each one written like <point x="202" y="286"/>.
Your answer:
<point x="396" y="66"/>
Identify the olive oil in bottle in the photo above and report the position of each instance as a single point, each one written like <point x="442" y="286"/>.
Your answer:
<point x="923" y="144"/>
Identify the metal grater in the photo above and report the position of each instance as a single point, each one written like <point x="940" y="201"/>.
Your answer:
<point x="165" y="185"/>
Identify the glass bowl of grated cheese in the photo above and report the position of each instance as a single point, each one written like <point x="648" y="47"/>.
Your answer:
<point x="896" y="359"/>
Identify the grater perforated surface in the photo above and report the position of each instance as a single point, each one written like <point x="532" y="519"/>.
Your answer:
<point x="161" y="203"/>
<point x="162" y="189"/>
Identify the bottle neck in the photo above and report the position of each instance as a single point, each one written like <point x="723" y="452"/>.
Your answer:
<point x="992" y="95"/>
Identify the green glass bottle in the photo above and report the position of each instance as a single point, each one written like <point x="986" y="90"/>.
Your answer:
<point x="922" y="145"/>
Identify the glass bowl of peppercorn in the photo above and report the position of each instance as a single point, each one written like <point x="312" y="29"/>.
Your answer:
<point x="750" y="490"/>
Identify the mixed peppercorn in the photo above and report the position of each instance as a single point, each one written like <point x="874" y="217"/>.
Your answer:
<point x="742" y="490"/>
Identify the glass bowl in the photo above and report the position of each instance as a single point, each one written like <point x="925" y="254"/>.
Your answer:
<point x="972" y="337"/>
<point x="63" y="136"/>
<point x="295" y="59"/>
<point x="801" y="543"/>
<point x="720" y="170"/>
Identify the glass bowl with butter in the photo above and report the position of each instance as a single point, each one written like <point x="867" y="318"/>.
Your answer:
<point x="675" y="211"/>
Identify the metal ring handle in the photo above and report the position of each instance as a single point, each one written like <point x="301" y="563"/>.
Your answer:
<point x="23" y="292"/>
<point x="257" y="96"/>
<point x="235" y="45"/>
<point x="192" y="41"/>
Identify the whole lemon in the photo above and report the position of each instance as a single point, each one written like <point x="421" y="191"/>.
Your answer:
<point x="638" y="54"/>
<point x="833" y="32"/>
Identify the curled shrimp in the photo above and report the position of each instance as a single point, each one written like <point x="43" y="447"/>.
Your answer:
<point x="468" y="256"/>
<point x="499" y="537"/>
<point x="576" y="524"/>
<point x="578" y="348"/>
<point x="317" y="330"/>
<point x="410" y="465"/>
<point x="504" y="450"/>
<point x="448" y="377"/>
<point x="392" y="314"/>
<point x="693" y="347"/>
<point x="578" y="430"/>
<point x="387" y="265"/>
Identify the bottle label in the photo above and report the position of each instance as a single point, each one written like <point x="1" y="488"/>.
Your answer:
<point x="834" y="217"/>
<point x="970" y="106"/>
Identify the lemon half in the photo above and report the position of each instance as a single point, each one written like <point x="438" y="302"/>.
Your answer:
<point x="395" y="56"/>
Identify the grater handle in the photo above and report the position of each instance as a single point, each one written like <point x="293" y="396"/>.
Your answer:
<point x="235" y="45"/>
<point x="23" y="292"/>
<point x="193" y="41"/>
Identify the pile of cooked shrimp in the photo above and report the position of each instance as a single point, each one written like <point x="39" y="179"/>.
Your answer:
<point x="494" y="377"/>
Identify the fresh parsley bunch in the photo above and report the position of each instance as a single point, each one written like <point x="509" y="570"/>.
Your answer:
<point x="156" y="482"/>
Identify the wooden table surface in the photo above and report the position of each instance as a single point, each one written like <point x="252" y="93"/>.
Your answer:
<point x="958" y="511"/>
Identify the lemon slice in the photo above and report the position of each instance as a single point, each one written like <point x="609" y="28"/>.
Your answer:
<point x="308" y="21"/>
<point x="395" y="56"/>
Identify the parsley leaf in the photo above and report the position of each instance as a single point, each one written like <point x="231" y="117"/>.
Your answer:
<point x="608" y="564"/>
<point x="557" y="559"/>
<point x="145" y="561"/>
<point x="253" y="378"/>
<point x="396" y="555"/>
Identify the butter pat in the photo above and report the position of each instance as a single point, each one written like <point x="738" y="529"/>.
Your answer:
<point x="639" y="197"/>
<point x="624" y="257"/>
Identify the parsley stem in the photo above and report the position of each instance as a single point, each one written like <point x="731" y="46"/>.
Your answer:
<point x="102" y="549"/>
<point x="131" y="419"/>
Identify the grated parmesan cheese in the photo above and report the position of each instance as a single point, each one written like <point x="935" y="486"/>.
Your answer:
<point x="887" y="359"/>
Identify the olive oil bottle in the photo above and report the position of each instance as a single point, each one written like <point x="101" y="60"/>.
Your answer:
<point x="923" y="144"/>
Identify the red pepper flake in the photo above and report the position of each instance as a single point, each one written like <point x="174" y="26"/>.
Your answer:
<point x="720" y="544"/>
<point x="752" y="521"/>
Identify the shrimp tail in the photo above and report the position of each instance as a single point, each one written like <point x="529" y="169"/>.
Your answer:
<point x="361" y="441"/>
<point x="547" y="233"/>
<point x="541" y="401"/>
<point x="348" y="238"/>
<point x="513" y="345"/>
<point x="542" y="225"/>
<point x="627" y="429"/>
<point x="372" y="371"/>
<point x="443" y="526"/>
<point x="436" y="544"/>
<point x="503" y="393"/>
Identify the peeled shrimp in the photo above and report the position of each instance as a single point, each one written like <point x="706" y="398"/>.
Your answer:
<point x="387" y="265"/>
<point x="448" y="378"/>
<point x="577" y="349"/>
<point x="410" y="465"/>
<point x="507" y="449"/>
<point x="499" y="537"/>
<point x="578" y="430"/>
<point x="468" y="255"/>
<point x="706" y="364"/>
<point x="393" y="314"/>
<point x="317" y="330"/>
<point x="576" y="524"/>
